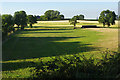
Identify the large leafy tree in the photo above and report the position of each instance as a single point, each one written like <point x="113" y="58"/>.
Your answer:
<point x="79" y="17"/>
<point x="73" y="21"/>
<point x="53" y="15"/>
<point x="7" y="24"/>
<point x="20" y="18"/>
<point x="23" y="21"/>
<point x="31" y="20"/>
<point x="17" y="18"/>
<point x="107" y="17"/>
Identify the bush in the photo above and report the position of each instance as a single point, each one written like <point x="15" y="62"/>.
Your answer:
<point x="79" y="67"/>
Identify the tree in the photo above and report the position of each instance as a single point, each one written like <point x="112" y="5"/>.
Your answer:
<point x="53" y="15"/>
<point x="35" y="19"/>
<point x="113" y="18"/>
<point x="79" y="17"/>
<point x="31" y="20"/>
<point x="73" y="21"/>
<point x="17" y="18"/>
<point x="20" y="18"/>
<point x="60" y="17"/>
<point x="107" y="17"/>
<point x="7" y="24"/>
<point x="43" y="18"/>
<point x="119" y="18"/>
<point x="23" y="20"/>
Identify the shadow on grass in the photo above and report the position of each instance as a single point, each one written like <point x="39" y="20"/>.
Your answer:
<point x="31" y="47"/>
<point x="36" y="47"/>
<point x="45" y="29"/>
<point x="17" y="65"/>
<point x="36" y="28"/>
<point x="27" y="32"/>
<point x="52" y="26"/>
<point x="89" y="26"/>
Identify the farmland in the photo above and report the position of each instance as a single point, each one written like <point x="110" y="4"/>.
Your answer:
<point x="54" y="38"/>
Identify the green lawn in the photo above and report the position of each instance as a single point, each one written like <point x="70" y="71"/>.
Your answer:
<point x="41" y="42"/>
<point x="35" y="43"/>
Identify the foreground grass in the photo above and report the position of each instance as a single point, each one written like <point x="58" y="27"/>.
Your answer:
<point x="33" y="45"/>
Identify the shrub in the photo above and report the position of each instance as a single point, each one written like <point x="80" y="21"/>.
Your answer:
<point x="79" y="68"/>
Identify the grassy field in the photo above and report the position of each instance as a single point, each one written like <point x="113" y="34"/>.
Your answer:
<point x="53" y="39"/>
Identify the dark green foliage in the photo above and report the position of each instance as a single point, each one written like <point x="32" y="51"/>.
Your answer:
<point x="48" y="17"/>
<point x="67" y="68"/>
<point x="31" y="20"/>
<point x="42" y="18"/>
<point x="17" y="17"/>
<point x="79" y="17"/>
<point x="118" y="17"/>
<point x="113" y="18"/>
<point x="7" y="24"/>
<point x="79" y="68"/>
<point x="20" y="18"/>
<point x="53" y="15"/>
<point x="60" y="17"/>
<point x="110" y="66"/>
<point x="107" y="17"/>
<point x="91" y="19"/>
<point x="23" y="21"/>
<point x="35" y="19"/>
<point x="73" y="21"/>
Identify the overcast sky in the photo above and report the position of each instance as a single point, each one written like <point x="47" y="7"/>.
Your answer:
<point x="69" y="9"/>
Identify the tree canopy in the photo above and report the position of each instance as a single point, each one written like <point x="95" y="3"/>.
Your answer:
<point x="107" y="17"/>
<point x="17" y="18"/>
<point x="7" y="23"/>
<point x="53" y="15"/>
<point x="20" y="18"/>
<point x="42" y="18"/>
<point x="79" y="17"/>
<point x="31" y="20"/>
<point x="73" y="21"/>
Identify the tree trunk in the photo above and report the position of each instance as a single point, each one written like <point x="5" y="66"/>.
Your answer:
<point x="103" y="24"/>
<point x="31" y="25"/>
<point x="18" y="27"/>
<point x="74" y="26"/>
<point x="13" y="29"/>
<point x="22" y="27"/>
<point x="108" y="24"/>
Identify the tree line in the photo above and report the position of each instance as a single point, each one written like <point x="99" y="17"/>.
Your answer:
<point x="106" y="17"/>
<point x="55" y="15"/>
<point x="21" y="19"/>
<point x="51" y="15"/>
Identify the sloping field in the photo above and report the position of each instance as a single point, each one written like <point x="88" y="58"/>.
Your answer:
<point x="48" y="39"/>
<point x="111" y="39"/>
